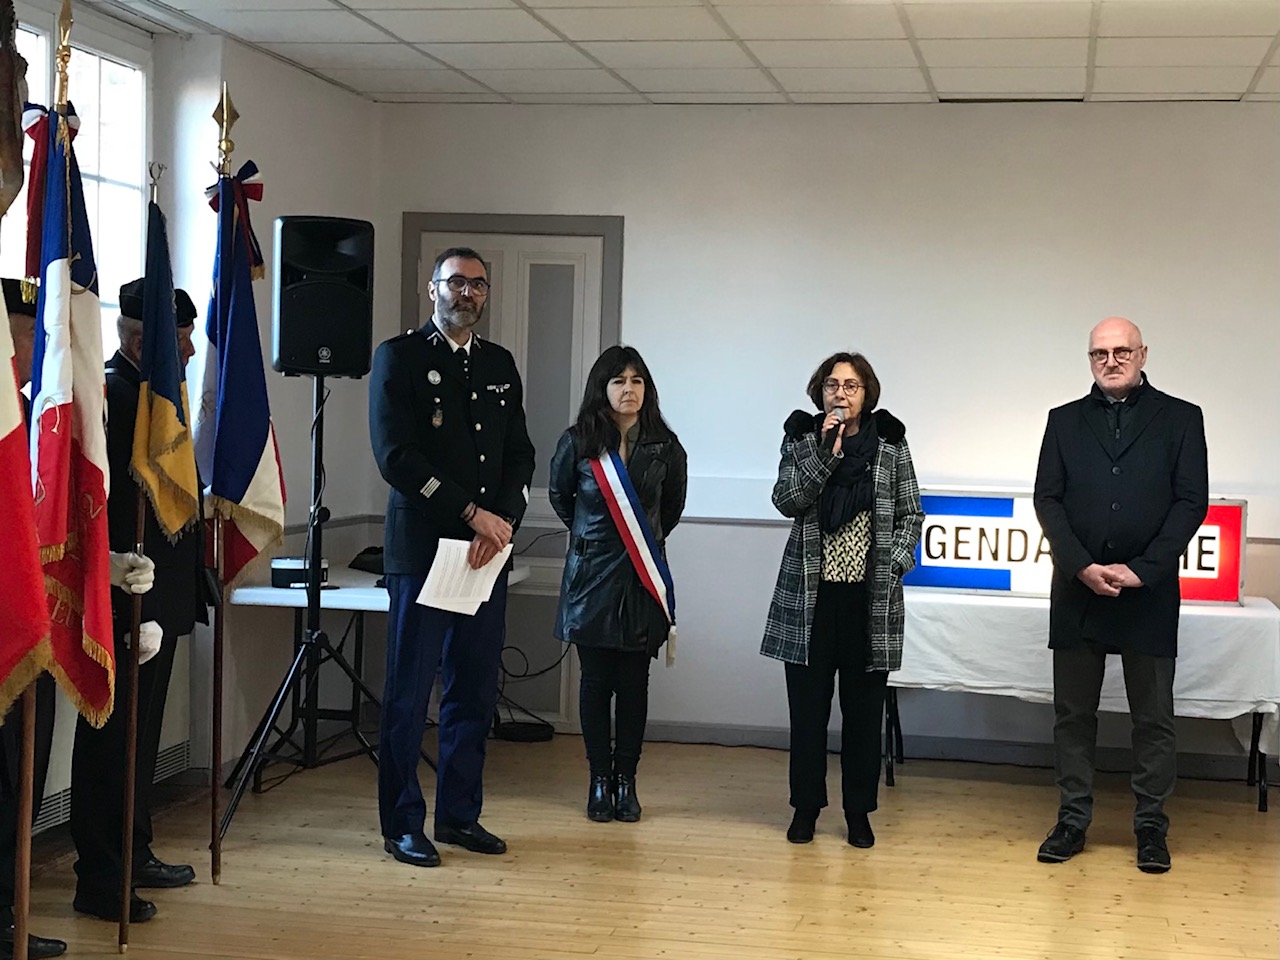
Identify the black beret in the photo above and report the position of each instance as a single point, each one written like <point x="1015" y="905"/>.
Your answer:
<point x="186" y="309"/>
<point x="131" y="304"/>
<point x="131" y="299"/>
<point x="13" y="301"/>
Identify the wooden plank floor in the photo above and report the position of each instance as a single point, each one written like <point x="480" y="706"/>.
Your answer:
<point x="707" y="873"/>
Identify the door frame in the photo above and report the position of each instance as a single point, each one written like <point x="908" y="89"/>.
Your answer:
<point x="609" y="229"/>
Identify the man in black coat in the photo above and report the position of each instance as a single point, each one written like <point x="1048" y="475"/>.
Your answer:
<point x="447" y="424"/>
<point x="176" y="604"/>
<point x="1121" y="488"/>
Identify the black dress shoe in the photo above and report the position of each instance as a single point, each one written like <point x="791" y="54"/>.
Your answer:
<point x="1153" y="852"/>
<point x="414" y="849"/>
<point x="156" y="873"/>
<point x="1063" y="843"/>
<point x="803" y="823"/>
<point x="626" y="805"/>
<point x="107" y="907"/>
<point x="37" y="947"/>
<point x="599" y="800"/>
<point x="860" y="834"/>
<point x="474" y="838"/>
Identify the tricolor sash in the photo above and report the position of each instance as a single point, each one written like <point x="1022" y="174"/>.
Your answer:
<point x="637" y="536"/>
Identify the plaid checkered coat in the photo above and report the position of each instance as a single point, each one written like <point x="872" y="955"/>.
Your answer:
<point x="896" y="522"/>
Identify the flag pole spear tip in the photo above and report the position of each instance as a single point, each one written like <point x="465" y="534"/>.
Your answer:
<point x="65" y="21"/>
<point x="155" y="170"/>
<point x="226" y="116"/>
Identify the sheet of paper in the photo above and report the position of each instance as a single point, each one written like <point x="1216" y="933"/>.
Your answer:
<point x="453" y="585"/>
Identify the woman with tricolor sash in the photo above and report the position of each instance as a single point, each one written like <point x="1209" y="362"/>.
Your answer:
<point x="618" y="480"/>
<point x="847" y="482"/>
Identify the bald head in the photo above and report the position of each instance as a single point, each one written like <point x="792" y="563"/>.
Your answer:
<point x="1117" y="356"/>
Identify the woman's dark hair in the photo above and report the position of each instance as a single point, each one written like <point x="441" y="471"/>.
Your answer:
<point x="595" y="430"/>
<point x="861" y="366"/>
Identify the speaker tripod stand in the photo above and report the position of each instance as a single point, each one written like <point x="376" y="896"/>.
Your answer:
<point x="301" y="683"/>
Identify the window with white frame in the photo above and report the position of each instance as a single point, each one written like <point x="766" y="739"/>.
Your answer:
<point x="109" y="97"/>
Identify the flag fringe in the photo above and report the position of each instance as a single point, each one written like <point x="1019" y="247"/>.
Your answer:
<point x="247" y="519"/>
<point x="173" y="487"/>
<point x="33" y="663"/>
<point x="52" y="554"/>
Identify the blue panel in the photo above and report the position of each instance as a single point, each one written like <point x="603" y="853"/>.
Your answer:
<point x="960" y="577"/>
<point x="950" y="506"/>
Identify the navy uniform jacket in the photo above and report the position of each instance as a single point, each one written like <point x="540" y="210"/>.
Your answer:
<point x="443" y="439"/>
<point x="1137" y="501"/>
<point x="177" y="601"/>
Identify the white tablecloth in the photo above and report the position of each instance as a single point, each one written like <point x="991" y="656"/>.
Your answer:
<point x="347" y="590"/>
<point x="1228" y="656"/>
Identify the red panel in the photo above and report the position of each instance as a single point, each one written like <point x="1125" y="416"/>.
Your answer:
<point x="1225" y="587"/>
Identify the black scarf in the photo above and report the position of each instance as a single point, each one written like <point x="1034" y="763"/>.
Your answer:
<point x="850" y="489"/>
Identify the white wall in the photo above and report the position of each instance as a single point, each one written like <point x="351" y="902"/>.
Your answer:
<point x="966" y="249"/>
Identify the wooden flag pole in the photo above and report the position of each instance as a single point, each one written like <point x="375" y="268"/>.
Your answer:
<point x="226" y="116"/>
<point x="131" y="738"/>
<point x="22" y="856"/>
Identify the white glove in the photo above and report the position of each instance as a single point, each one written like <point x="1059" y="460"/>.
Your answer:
<point x="132" y="572"/>
<point x="149" y="637"/>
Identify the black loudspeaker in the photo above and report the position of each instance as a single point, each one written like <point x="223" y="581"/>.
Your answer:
<point x="323" y="297"/>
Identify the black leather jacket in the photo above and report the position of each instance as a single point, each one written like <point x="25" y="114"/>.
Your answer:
<point x="602" y="603"/>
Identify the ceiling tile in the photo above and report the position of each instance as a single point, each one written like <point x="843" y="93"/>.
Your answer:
<point x="669" y="53"/>
<point x="538" y="4"/>
<point x="1172" y="79"/>
<point x="1159" y="97"/>
<point x="200" y="6"/>
<point x="508" y="56"/>
<point x="676" y="23"/>
<point x="1073" y="52"/>
<point x="745" y="98"/>
<point x="404" y="81"/>
<point x="1052" y="18"/>
<point x="1264" y="98"/>
<point x="857" y="22"/>
<point x="830" y="80"/>
<point x="1027" y="80"/>
<point x="1269" y="82"/>
<point x="1182" y="51"/>
<point x="862" y="98"/>
<point x="351" y="55"/>
<point x="699" y="81"/>
<point x="833" y="53"/>
<point x="438" y="98"/>
<point x="549" y="81"/>
<point x="578" y="98"/>
<point x="461" y="26"/>
<point x="312" y="26"/>
<point x="431" y="4"/>
<point x="1189" y="18"/>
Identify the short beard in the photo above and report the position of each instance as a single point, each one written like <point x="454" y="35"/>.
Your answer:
<point x="460" y="320"/>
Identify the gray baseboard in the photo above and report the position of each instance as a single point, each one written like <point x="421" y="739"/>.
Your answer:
<point x="1195" y="766"/>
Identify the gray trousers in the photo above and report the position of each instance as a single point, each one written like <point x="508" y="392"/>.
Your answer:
<point x="1077" y="685"/>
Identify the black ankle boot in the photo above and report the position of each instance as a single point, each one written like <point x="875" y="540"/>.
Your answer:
<point x="626" y="806"/>
<point x="802" y="826"/>
<point x="599" y="800"/>
<point x="860" y="834"/>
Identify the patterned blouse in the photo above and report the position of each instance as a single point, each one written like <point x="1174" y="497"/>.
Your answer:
<point x="845" y="552"/>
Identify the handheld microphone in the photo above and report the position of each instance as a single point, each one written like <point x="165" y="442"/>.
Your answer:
<point x="829" y="441"/>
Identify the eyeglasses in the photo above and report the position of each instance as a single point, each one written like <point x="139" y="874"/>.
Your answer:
<point x="457" y="283"/>
<point x="848" y="386"/>
<point x="1121" y="354"/>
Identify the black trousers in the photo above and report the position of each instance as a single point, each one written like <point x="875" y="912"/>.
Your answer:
<point x="1077" y="687"/>
<point x="838" y="645"/>
<point x="98" y="774"/>
<point x="620" y="677"/>
<point x="10" y="773"/>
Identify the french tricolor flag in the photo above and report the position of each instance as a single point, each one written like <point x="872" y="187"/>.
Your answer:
<point x="234" y="437"/>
